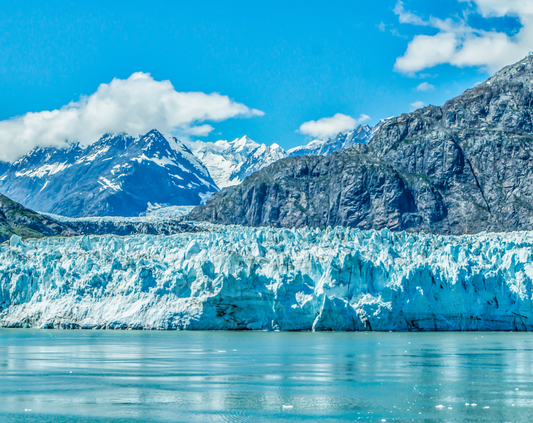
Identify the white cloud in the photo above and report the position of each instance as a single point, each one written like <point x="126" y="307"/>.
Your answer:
<point x="134" y="105"/>
<point x="418" y="104"/>
<point x="330" y="126"/>
<point x="424" y="86"/>
<point x="461" y="45"/>
<point x="407" y="17"/>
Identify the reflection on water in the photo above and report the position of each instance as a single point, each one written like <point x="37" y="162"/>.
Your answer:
<point x="93" y="376"/>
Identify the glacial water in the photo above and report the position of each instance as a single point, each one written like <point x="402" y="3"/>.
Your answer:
<point x="132" y="376"/>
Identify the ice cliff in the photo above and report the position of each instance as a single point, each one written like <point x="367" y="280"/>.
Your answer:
<point x="270" y="279"/>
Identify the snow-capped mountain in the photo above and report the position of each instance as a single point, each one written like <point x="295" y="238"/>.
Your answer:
<point x="361" y="135"/>
<point x="3" y="167"/>
<point x="122" y="175"/>
<point x="230" y="162"/>
<point x="119" y="175"/>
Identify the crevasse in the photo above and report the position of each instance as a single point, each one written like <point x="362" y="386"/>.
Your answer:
<point x="236" y="278"/>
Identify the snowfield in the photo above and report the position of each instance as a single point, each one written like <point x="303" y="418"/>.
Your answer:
<point x="234" y="278"/>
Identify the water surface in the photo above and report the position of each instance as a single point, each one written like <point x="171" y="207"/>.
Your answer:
<point x="130" y="376"/>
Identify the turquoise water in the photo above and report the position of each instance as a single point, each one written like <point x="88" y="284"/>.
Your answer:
<point x="104" y="376"/>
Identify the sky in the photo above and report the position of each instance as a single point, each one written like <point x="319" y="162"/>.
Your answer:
<point x="279" y="72"/>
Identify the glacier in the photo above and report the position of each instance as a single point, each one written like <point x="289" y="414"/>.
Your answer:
<point x="237" y="278"/>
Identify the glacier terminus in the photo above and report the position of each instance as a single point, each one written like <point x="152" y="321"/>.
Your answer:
<point x="237" y="278"/>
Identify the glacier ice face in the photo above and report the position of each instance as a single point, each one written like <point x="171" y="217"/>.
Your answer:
<point x="270" y="279"/>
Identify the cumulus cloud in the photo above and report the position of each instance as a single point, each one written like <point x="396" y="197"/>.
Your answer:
<point x="330" y="126"/>
<point x="424" y="86"/>
<point x="459" y="44"/>
<point x="134" y="105"/>
<point x="418" y="104"/>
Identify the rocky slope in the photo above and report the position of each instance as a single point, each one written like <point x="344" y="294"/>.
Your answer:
<point x="18" y="220"/>
<point x="119" y="175"/>
<point x="464" y="167"/>
<point x="269" y="279"/>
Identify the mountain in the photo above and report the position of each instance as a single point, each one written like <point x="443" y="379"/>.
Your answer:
<point x="4" y="166"/>
<point x="464" y="167"/>
<point x="257" y="160"/>
<point x="119" y="175"/>
<point x="361" y="135"/>
<point x="15" y="219"/>
<point x="230" y="162"/>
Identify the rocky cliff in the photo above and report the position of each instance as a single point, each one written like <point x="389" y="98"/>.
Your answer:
<point x="464" y="167"/>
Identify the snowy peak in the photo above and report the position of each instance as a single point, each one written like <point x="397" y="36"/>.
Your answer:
<point x="165" y="151"/>
<point x="117" y="175"/>
<point x="244" y="144"/>
<point x="230" y="162"/>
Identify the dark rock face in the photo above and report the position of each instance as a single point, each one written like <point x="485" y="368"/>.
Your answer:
<point x="18" y="220"/>
<point x="464" y="167"/>
<point x="119" y="175"/>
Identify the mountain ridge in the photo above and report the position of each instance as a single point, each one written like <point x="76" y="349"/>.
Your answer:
<point x="230" y="162"/>
<point x="119" y="175"/>
<point x="463" y="167"/>
<point x="360" y="135"/>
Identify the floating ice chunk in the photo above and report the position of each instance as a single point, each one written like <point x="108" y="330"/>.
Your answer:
<point x="440" y="406"/>
<point x="286" y="407"/>
<point x="15" y="241"/>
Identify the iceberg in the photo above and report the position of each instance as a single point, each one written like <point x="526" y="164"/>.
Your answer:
<point x="237" y="278"/>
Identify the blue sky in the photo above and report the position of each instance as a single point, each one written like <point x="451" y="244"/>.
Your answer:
<point x="294" y="61"/>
